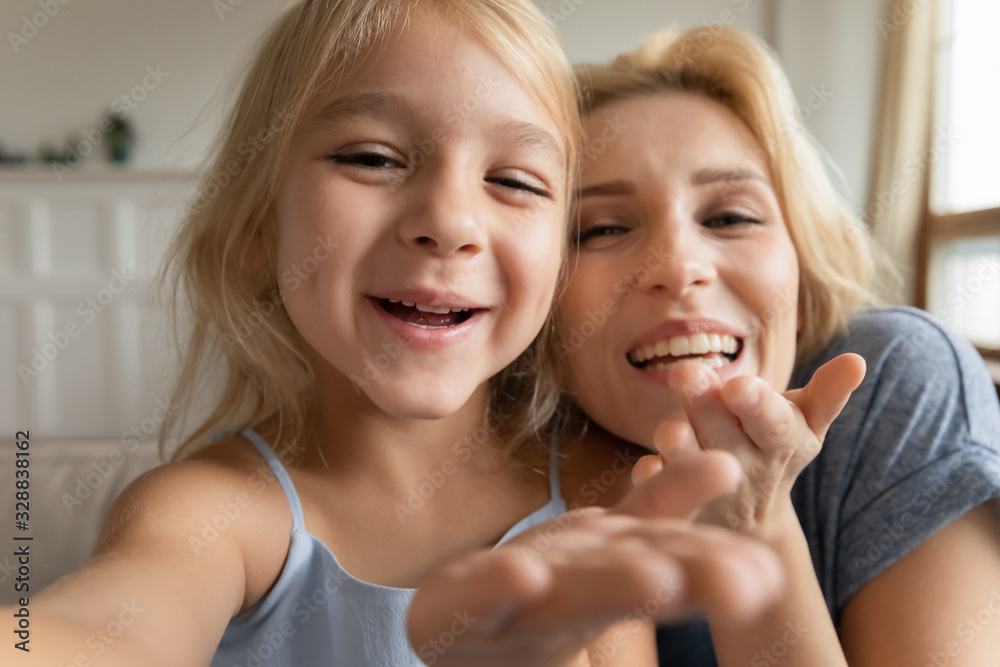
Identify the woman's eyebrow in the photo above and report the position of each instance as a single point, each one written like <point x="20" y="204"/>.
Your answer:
<point x="709" y="176"/>
<point x="611" y="188"/>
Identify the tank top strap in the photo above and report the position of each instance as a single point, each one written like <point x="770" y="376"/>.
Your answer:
<point x="274" y="463"/>
<point x="555" y="492"/>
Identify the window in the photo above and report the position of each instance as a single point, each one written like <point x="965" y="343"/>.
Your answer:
<point x="960" y="268"/>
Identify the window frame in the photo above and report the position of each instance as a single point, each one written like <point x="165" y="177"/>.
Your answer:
<point x="936" y="227"/>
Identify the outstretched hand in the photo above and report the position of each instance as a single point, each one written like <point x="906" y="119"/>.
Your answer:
<point x="540" y="598"/>
<point x="774" y="435"/>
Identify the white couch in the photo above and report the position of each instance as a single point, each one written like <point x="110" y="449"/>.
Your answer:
<point x="72" y="486"/>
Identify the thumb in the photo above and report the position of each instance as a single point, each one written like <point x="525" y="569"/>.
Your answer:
<point x="827" y="392"/>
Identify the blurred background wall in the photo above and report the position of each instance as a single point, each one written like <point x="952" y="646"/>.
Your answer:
<point x="90" y="53"/>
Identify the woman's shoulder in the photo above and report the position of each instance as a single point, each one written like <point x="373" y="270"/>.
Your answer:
<point x="909" y="353"/>
<point x="917" y="445"/>
<point x="900" y="329"/>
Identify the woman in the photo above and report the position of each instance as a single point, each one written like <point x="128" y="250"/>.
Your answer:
<point x="713" y="250"/>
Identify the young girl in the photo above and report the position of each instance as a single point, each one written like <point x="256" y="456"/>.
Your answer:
<point x="360" y="291"/>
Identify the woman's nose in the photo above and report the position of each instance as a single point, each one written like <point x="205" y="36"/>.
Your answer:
<point x="446" y="214"/>
<point x="682" y="260"/>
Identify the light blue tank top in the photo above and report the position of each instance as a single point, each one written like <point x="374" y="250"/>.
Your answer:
<point x="318" y="614"/>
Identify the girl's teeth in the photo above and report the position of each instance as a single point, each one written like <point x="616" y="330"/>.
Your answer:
<point x="441" y="310"/>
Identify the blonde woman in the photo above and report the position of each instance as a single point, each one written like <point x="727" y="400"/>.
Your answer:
<point x="716" y="268"/>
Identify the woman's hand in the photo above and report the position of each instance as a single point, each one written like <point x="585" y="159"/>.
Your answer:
<point x="542" y="597"/>
<point x="773" y="435"/>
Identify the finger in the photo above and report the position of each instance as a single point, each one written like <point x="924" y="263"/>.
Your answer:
<point x="591" y="591"/>
<point x="826" y="394"/>
<point x="490" y="586"/>
<point x="675" y="437"/>
<point x="646" y="467"/>
<point x="770" y="420"/>
<point x="681" y="488"/>
<point x="667" y="571"/>
<point x="698" y="389"/>
<point x="735" y="583"/>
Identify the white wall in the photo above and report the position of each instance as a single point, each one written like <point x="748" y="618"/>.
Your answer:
<point x="835" y="48"/>
<point x="595" y="30"/>
<point x="92" y="52"/>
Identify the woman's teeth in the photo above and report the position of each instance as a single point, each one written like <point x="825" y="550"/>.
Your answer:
<point x="711" y="362"/>
<point x="721" y="349"/>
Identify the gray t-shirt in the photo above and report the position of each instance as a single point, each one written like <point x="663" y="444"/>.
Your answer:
<point x="917" y="446"/>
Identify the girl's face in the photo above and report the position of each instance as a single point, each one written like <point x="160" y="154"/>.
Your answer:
<point x="421" y="223"/>
<point x="683" y="254"/>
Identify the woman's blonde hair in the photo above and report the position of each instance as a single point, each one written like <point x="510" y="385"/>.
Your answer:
<point x="837" y="256"/>
<point x="239" y="334"/>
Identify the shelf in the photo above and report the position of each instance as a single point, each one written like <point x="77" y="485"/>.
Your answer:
<point x="93" y="173"/>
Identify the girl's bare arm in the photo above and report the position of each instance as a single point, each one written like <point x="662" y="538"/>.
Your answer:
<point x="152" y="593"/>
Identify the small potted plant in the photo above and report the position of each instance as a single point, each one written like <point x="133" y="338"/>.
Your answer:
<point x="119" y="137"/>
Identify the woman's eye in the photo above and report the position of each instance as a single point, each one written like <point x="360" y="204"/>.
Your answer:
<point x="600" y="231"/>
<point x="730" y="219"/>
<point x="367" y="160"/>
<point x="534" y="187"/>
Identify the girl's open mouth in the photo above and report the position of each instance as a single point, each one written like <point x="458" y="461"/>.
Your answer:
<point x="427" y="317"/>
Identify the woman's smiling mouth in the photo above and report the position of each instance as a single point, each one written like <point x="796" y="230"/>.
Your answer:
<point x="712" y="349"/>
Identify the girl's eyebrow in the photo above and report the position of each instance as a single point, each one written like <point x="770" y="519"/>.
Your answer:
<point x="532" y="136"/>
<point x="389" y="105"/>
<point x="381" y="105"/>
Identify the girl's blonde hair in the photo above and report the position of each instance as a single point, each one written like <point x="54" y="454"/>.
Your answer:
<point x="239" y="332"/>
<point x="837" y="256"/>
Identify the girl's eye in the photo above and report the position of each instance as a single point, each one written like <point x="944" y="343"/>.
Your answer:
<point x="600" y="231"/>
<point x="531" y="186"/>
<point x="368" y="160"/>
<point x="729" y="220"/>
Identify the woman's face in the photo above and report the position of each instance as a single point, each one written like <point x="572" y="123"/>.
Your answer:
<point x="683" y="253"/>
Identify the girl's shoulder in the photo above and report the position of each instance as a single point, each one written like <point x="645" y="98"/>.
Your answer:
<point x="228" y="499"/>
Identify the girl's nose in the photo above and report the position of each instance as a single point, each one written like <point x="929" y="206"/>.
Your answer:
<point x="446" y="214"/>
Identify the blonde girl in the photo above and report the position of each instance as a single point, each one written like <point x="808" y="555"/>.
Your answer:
<point x="365" y="296"/>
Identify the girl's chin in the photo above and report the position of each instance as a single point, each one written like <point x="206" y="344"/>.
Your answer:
<point x="424" y="401"/>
